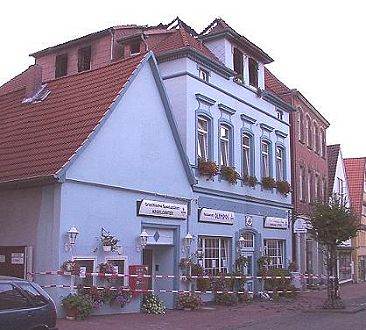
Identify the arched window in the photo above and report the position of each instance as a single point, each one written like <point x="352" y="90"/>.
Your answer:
<point x="322" y="142"/>
<point x="309" y="186"/>
<point x="302" y="184"/>
<point x="246" y="145"/>
<point x="309" y="132"/>
<point x="225" y="136"/>
<point x="248" y="241"/>
<point x="266" y="159"/>
<point x="316" y="138"/>
<point x="280" y="163"/>
<point x="203" y="127"/>
<point x="301" y="124"/>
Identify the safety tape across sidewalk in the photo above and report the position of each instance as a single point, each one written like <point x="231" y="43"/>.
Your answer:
<point x="157" y="291"/>
<point x="182" y="277"/>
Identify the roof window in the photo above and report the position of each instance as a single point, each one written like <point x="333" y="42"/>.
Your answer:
<point x="238" y="63"/>
<point x="253" y="73"/>
<point x="61" y="65"/>
<point x="84" y="58"/>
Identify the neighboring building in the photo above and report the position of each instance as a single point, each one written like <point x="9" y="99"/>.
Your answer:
<point x="309" y="170"/>
<point x="99" y="135"/>
<point x="356" y="178"/>
<point x="338" y="187"/>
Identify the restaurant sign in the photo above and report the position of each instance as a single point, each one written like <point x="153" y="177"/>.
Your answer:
<point x="162" y="209"/>
<point x="277" y="223"/>
<point x="216" y="216"/>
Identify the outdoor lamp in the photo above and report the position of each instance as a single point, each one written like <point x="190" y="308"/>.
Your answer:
<point x="72" y="233"/>
<point x="143" y="238"/>
<point x="188" y="240"/>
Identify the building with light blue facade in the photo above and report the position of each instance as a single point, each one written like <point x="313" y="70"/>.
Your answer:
<point x="172" y="139"/>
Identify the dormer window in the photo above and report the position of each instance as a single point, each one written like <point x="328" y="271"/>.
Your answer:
<point x="253" y="73"/>
<point x="84" y="58"/>
<point x="61" y="65"/>
<point x="135" y="47"/>
<point x="238" y="63"/>
<point x="279" y="114"/>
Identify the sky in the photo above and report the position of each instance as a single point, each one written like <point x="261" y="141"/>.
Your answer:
<point x="318" y="46"/>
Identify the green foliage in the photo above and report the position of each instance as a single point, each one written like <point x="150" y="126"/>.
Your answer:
<point x="225" y="283"/>
<point x="280" y="281"/>
<point x="189" y="300"/>
<point x="333" y="223"/>
<point x="202" y="284"/>
<point x="151" y="304"/>
<point x="229" y="174"/>
<point x="82" y="303"/>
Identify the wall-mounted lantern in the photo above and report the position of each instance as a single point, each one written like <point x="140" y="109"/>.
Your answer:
<point x="72" y="234"/>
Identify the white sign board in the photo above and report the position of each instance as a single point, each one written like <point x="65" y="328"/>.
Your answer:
<point x="2" y="258"/>
<point x="216" y="216"/>
<point x="300" y="226"/>
<point x="17" y="258"/>
<point x="162" y="209"/>
<point x="277" y="223"/>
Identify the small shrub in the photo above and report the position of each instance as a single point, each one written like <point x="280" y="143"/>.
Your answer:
<point x="202" y="284"/>
<point x="268" y="182"/>
<point x="189" y="300"/>
<point x="151" y="304"/>
<point x="123" y="297"/>
<point x="229" y="174"/>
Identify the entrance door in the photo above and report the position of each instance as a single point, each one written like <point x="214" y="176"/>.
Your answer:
<point x="12" y="261"/>
<point x="147" y="260"/>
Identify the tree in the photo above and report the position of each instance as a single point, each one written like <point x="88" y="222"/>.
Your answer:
<point x="331" y="224"/>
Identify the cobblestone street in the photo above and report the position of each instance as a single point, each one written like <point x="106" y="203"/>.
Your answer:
<point x="285" y="314"/>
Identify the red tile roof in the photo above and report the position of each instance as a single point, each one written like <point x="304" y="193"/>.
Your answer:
<point x="182" y="39"/>
<point x="333" y="152"/>
<point x="37" y="140"/>
<point x="273" y="84"/>
<point x="355" y="170"/>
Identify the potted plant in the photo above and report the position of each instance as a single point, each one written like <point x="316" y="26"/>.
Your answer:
<point x="124" y="296"/>
<point x="268" y="182"/>
<point x="77" y="306"/>
<point x="70" y="266"/>
<point x="107" y="268"/>
<point x="283" y="187"/>
<point x="207" y="167"/>
<point x="229" y="174"/>
<point x="109" y="242"/>
<point x="189" y="301"/>
<point x="250" y="180"/>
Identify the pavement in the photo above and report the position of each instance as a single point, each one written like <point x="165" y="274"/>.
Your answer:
<point x="289" y="313"/>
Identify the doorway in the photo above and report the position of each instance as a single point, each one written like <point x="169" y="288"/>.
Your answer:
<point x="147" y="260"/>
<point x="13" y="261"/>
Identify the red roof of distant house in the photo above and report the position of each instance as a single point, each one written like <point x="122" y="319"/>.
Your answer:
<point x="182" y="39"/>
<point x="38" y="139"/>
<point x="333" y="152"/>
<point x="273" y="84"/>
<point x="355" y="170"/>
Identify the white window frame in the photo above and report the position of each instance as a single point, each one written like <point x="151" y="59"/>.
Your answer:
<point x="246" y="153"/>
<point x="309" y="132"/>
<point x="279" y="114"/>
<point x="87" y="258"/>
<point x="340" y="187"/>
<point x="125" y="268"/>
<point x="265" y="159"/>
<point x="309" y="186"/>
<point x="276" y="252"/>
<point x="223" y="243"/>
<point x="301" y="183"/>
<point x="202" y="138"/>
<point x="316" y="187"/>
<point x="225" y="145"/>
<point x="248" y="242"/>
<point x="280" y="163"/>
<point x="301" y="125"/>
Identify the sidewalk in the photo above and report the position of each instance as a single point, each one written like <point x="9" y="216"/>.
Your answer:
<point x="217" y="317"/>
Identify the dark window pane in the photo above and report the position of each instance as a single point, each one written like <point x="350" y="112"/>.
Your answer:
<point x="36" y="297"/>
<point x="12" y="298"/>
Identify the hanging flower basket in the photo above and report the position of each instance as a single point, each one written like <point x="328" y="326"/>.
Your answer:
<point x="71" y="267"/>
<point x="268" y="182"/>
<point x="229" y="174"/>
<point x="208" y="167"/>
<point x="283" y="187"/>
<point x="250" y="180"/>
<point x="109" y="241"/>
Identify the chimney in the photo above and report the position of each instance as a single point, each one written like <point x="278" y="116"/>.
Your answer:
<point x="33" y="82"/>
